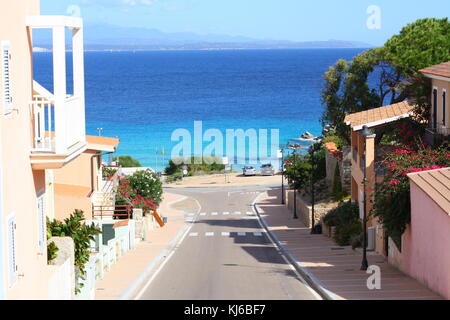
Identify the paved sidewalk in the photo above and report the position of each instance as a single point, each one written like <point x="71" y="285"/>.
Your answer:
<point x="135" y="262"/>
<point x="333" y="268"/>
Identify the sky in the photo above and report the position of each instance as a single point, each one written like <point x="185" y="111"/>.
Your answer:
<point x="369" y="21"/>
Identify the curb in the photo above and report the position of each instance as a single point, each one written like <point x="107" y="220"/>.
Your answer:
<point x="133" y="289"/>
<point x="312" y="281"/>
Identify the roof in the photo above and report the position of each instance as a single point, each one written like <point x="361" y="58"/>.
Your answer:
<point x="102" y="143"/>
<point x="439" y="70"/>
<point x="436" y="184"/>
<point x="379" y="116"/>
<point x="333" y="150"/>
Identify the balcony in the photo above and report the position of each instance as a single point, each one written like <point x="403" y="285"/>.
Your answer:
<point x="58" y="118"/>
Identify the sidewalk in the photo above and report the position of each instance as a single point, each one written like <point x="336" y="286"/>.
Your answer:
<point x="332" y="269"/>
<point x="142" y="259"/>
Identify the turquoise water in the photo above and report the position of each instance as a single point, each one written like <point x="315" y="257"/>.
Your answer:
<point x="142" y="97"/>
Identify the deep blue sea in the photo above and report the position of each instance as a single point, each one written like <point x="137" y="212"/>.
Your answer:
<point x="142" y="97"/>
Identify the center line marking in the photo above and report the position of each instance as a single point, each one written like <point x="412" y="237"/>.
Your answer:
<point x="209" y="234"/>
<point x="193" y="234"/>
<point x="225" y="234"/>
<point x="241" y="234"/>
<point x="257" y="234"/>
<point x="214" y="214"/>
<point x="237" y="212"/>
<point x="226" y="213"/>
<point x="203" y="214"/>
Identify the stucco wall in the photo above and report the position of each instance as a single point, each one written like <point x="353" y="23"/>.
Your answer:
<point x="426" y="243"/>
<point x="15" y="137"/>
<point x="74" y="184"/>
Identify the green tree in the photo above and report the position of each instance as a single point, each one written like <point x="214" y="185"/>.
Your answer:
<point x="127" y="162"/>
<point x="391" y="70"/>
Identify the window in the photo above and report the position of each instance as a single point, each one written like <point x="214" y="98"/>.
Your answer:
<point x="41" y="223"/>
<point x="12" y="250"/>
<point x="6" y="76"/>
<point x="444" y="97"/>
<point x="435" y="102"/>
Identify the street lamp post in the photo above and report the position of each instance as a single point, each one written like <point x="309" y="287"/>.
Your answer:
<point x="364" y="264"/>
<point x="313" y="218"/>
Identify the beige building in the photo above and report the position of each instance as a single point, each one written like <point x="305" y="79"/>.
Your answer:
<point x="366" y="156"/>
<point x="48" y="167"/>
<point x="439" y="124"/>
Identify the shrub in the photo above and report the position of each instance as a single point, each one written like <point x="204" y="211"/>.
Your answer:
<point x="345" y="218"/>
<point x="81" y="234"/>
<point x="345" y="233"/>
<point x="337" y="193"/>
<point x="392" y="199"/>
<point x="196" y="165"/>
<point x="127" y="162"/>
<point x="146" y="184"/>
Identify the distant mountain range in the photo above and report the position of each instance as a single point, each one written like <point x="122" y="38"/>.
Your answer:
<point x="106" y="37"/>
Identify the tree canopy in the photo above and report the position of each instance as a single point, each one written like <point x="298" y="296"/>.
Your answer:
<point x="386" y="75"/>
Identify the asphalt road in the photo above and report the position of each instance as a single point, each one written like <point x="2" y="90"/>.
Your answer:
<point x="226" y="255"/>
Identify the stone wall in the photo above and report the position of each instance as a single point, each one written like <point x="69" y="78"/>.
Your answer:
<point x="304" y="210"/>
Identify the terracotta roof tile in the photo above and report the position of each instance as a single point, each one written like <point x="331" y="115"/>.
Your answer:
<point x="442" y="70"/>
<point x="436" y="184"/>
<point x="379" y="116"/>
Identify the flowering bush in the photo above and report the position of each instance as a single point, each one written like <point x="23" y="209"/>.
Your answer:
<point x="142" y="190"/>
<point x="392" y="200"/>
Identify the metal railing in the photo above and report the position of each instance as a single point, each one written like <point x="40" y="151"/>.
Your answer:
<point x="112" y="212"/>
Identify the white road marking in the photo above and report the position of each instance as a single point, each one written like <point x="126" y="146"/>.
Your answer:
<point x="203" y="214"/>
<point x="193" y="234"/>
<point x="237" y="213"/>
<point x="209" y="234"/>
<point x="191" y="215"/>
<point x="226" y="213"/>
<point x="257" y="234"/>
<point x="249" y="213"/>
<point x="214" y="214"/>
<point x="241" y="234"/>
<point x="225" y="234"/>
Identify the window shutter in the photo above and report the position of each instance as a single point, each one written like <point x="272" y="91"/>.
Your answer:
<point x="6" y="76"/>
<point x="41" y="223"/>
<point x="12" y="252"/>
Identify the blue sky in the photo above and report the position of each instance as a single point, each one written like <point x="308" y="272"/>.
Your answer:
<point x="296" y="20"/>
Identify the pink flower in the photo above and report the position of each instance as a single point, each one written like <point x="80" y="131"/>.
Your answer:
<point x="394" y="182"/>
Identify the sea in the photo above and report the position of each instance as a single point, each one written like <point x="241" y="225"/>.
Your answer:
<point x="153" y="100"/>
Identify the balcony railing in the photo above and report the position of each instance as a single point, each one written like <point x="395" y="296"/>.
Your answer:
<point x="56" y="129"/>
<point x="437" y="135"/>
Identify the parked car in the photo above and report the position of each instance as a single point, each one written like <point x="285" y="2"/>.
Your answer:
<point x="267" y="170"/>
<point x="249" y="171"/>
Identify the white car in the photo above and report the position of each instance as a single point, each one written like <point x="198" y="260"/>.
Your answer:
<point x="249" y="171"/>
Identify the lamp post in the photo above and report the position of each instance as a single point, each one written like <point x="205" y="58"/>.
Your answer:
<point x="364" y="264"/>
<point x="282" y="176"/>
<point x="313" y="218"/>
